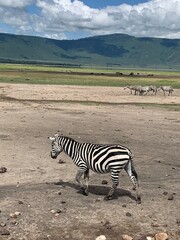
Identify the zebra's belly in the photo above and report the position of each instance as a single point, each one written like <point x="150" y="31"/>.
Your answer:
<point x="98" y="167"/>
<point x="101" y="171"/>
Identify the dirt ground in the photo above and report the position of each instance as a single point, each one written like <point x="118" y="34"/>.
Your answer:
<point x="35" y="184"/>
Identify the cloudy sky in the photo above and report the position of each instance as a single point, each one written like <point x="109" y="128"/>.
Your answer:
<point x="73" y="19"/>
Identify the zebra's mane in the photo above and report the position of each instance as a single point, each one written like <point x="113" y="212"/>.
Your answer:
<point x="66" y="138"/>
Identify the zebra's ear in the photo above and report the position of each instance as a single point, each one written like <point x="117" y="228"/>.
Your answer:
<point x="52" y="138"/>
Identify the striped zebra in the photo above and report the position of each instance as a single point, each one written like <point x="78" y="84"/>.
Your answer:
<point x="99" y="158"/>
<point x="165" y="89"/>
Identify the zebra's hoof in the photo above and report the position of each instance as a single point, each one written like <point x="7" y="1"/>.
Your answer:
<point x="85" y="192"/>
<point x="107" y="198"/>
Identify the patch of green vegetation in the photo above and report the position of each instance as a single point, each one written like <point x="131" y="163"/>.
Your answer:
<point x="29" y="74"/>
<point x="48" y="68"/>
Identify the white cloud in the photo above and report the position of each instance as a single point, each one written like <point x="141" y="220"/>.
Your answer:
<point x="56" y="18"/>
<point x="15" y="3"/>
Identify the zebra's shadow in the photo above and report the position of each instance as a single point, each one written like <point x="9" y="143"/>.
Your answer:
<point x="98" y="190"/>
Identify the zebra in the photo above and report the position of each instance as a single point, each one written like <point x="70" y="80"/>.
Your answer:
<point x="100" y="158"/>
<point x="133" y="88"/>
<point x="144" y="89"/>
<point x="137" y="89"/>
<point x="166" y="89"/>
<point x="153" y="89"/>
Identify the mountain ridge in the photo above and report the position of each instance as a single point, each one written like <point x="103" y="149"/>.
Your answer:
<point x="119" y="50"/>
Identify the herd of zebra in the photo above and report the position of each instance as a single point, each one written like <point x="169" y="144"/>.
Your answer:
<point x="144" y="90"/>
<point x="100" y="158"/>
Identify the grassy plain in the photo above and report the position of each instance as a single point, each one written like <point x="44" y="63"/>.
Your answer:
<point x="38" y="74"/>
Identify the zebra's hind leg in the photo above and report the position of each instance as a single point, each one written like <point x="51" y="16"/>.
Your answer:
<point x="84" y="188"/>
<point x="86" y="178"/>
<point x="129" y="168"/>
<point x="115" y="181"/>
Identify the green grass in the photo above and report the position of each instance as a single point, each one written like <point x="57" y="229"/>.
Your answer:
<point x="29" y="67"/>
<point x="30" y="74"/>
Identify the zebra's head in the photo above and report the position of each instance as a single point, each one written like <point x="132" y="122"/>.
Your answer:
<point x="56" y="147"/>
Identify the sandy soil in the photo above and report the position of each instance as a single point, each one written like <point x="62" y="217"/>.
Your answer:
<point x="35" y="184"/>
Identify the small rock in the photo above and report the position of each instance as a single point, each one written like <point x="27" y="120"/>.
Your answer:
<point x="17" y="213"/>
<point x="63" y="202"/>
<point x="154" y="225"/>
<point x="14" y="222"/>
<point x="20" y="202"/>
<point x="2" y="224"/>
<point x="171" y="197"/>
<point x="128" y="214"/>
<point x="61" y="161"/>
<point x="4" y="232"/>
<point x="165" y="193"/>
<point x="150" y="238"/>
<point x="161" y="236"/>
<point x="142" y="238"/>
<point x="53" y="211"/>
<point x="59" y="193"/>
<point x="101" y="237"/>
<point x="97" y="200"/>
<point x="165" y="225"/>
<point x="58" y="211"/>
<point x="124" y="205"/>
<point x="56" y="214"/>
<point x="178" y="222"/>
<point x="107" y="224"/>
<point x="126" y="237"/>
<point x="104" y="182"/>
<point x="3" y="169"/>
<point x="12" y="215"/>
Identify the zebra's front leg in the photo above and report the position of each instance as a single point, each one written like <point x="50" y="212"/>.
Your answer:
<point x="115" y="183"/>
<point x="84" y="188"/>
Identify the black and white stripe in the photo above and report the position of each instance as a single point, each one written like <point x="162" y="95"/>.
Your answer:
<point x="97" y="157"/>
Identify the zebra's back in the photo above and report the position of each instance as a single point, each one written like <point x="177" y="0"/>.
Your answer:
<point x="105" y="158"/>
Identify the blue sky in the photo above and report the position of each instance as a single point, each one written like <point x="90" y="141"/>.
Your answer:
<point x="104" y="3"/>
<point x="98" y="3"/>
<point x="72" y="19"/>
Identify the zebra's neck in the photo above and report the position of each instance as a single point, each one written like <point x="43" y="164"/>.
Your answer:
<point x="69" y="146"/>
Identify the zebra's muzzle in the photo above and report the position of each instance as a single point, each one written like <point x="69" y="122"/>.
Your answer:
<point x="53" y="156"/>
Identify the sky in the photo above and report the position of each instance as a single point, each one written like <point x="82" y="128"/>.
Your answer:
<point x="74" y="19"/>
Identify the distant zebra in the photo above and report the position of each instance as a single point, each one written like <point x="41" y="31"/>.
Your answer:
<point x="134" y="88"/>
<point x="168" y="89"/>
<point x="131" y="88"/>
<point x="99" y="158"/>
<point x="144" y="89"/>
<point x="153" y="89"/>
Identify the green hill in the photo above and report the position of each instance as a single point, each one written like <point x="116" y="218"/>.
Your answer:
<point x="109" y="50"/>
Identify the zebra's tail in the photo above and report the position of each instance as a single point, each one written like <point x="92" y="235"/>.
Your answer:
<point x="133" y="170"/>
<point x="132" y="166"/>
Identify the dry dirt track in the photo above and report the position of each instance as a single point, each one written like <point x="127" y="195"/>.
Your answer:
<point x="31" y="113"/>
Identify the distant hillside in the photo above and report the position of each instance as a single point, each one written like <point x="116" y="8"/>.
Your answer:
<point x="109" y="50"/>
